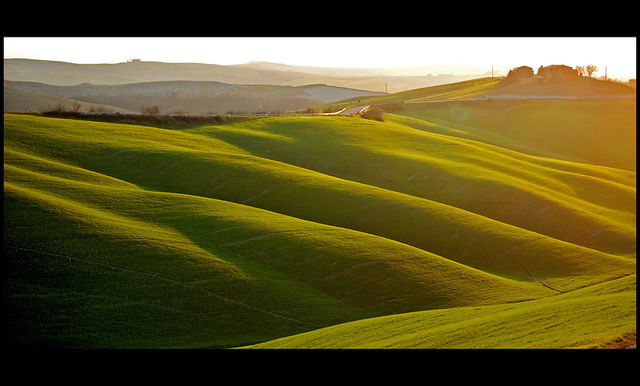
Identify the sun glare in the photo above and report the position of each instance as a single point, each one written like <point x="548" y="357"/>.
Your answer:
<point x="500" y="54"/>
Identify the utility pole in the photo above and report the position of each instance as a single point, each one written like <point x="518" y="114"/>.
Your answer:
<point x="605" y="72"/>
<point x="492" y="70"/>
<point x="385" y="89"/>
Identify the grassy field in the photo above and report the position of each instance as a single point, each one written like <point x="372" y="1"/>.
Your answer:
<point x="324" y="231"/>
<point x="567" y="321"/>
<point x="590" y="131"/>
<point x="453" y="91"/>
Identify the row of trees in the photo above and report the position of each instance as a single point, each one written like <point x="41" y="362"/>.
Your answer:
<point x="77" y="107"/>
<point x="155" y="110"/>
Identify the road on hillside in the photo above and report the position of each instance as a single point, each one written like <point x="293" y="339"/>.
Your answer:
<point x="354" y="110"/>
<point x="344" y="111"/>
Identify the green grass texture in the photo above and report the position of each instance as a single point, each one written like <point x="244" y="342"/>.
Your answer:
<point x="232" y="234"/>
<point x="567" y="321"/>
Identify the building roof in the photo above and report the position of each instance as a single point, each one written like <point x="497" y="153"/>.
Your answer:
<point x="556" y="67"/>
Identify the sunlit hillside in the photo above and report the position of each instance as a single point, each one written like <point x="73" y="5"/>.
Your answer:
<point x="482" y="224"/>
<point x="605" y="310"/>
<point x="449" y="91"/>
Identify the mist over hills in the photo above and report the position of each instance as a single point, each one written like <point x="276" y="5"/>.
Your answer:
<point x="418" y="71"/>
<point x="395" y="80"/>
<point x="172" y="96"/>
<point x="202" y="88"/>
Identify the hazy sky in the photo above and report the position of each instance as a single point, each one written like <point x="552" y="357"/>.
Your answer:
<point x="618" y="54"/>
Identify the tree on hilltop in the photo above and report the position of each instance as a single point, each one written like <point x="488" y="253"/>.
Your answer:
<point x="590" y="69"/>
<point x="587" y="70"/>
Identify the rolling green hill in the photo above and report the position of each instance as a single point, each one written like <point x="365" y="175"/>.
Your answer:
<point x="449" y="91"/>
<point x="324" y="231"/>
<point x="605" y="311"/>
<point x="588" y="132"/>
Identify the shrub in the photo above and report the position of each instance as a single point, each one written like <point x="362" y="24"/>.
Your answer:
<point x="374" y="112"/>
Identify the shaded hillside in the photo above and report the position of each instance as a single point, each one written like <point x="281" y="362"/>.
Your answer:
<point x="173" y="96"/>
<point x="31" y="99"/>
<point x="66" y="74"/>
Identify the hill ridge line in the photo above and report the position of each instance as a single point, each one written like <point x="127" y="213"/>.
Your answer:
<point x="535" y="236"/>
<point x="437" y="204"/>
<point x="500" y="150"/>
<point x="391" y="191"/>
<point x="330" y="228"/>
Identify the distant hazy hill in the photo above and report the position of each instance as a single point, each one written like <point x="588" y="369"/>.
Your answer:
<point x="394" y="80"/>
<point x="173" y="96"/>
